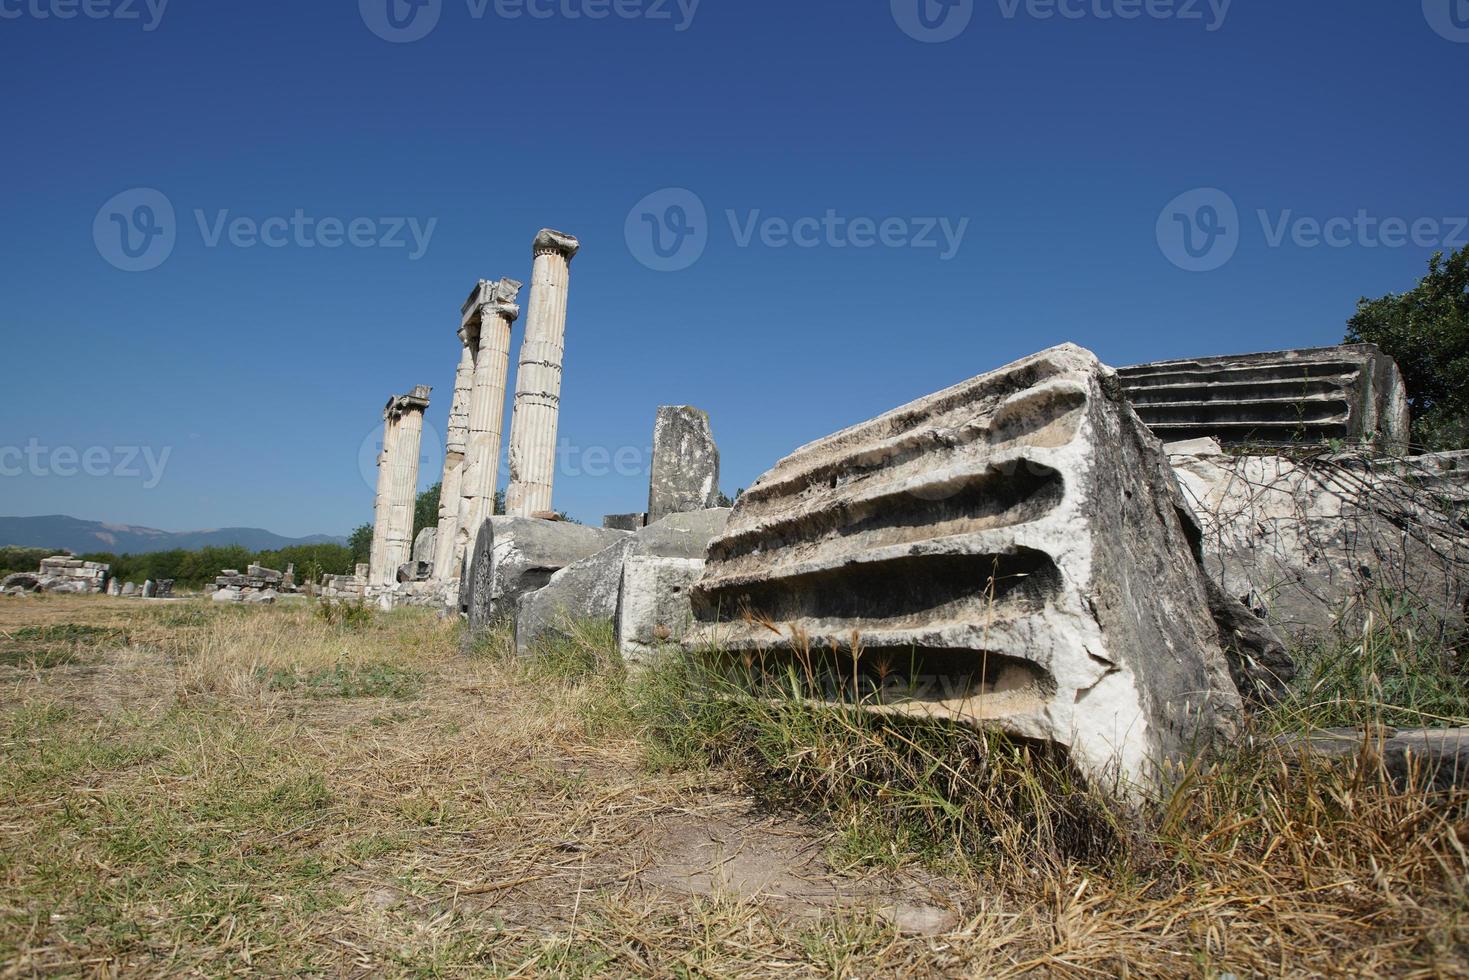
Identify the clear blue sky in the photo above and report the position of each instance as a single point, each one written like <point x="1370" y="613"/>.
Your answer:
<point x="1061" y="140"/>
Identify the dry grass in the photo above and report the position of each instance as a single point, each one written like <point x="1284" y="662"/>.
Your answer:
<point x="217" y="790"/>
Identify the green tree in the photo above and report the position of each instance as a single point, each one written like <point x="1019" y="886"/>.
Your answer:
<point x="1426" y="330"/>
<point x="360" y="543"/>
<point x="426" y="509"/>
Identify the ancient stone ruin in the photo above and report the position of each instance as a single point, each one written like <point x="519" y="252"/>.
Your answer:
<point x="257" y="585"/>
<point x="397" y="485"/>
<point x="432" y="569"/>
<point x="1007" y="553"/>
<point x="685" y="463"/>
<point x="1351" y="394"/>
<point x="61" y="574"/>
<point x="1017" y="552"/>
<point x="1317" y="541"/>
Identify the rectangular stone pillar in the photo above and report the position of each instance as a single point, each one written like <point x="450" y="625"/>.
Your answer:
<point x="488" y="316"/>
<point x="538" y="380"/>
<point x="392" y="538"/>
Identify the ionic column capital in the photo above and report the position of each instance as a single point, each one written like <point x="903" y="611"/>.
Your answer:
<point x="509" y="312"/>
<point x="550" y="242"/>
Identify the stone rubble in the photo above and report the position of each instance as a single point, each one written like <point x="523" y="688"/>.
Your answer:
<point x="588" y="590"/>
<point x="62" y="575"/>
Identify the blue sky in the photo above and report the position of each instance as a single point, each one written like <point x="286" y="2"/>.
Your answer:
<point x="1066" y="147"/>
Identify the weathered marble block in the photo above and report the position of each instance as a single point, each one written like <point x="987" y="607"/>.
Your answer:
<point x="1005" y="553"/>
<point x="685" y="473"/>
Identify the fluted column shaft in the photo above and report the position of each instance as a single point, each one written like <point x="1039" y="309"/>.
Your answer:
<point x="456" y="446"/>
<point x="486" y="424"/>
<point x="404" y="466"/>
<point x="538" y="380"/>
<point x="381" y="513"/>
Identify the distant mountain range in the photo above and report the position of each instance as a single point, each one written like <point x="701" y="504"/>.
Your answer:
<point x="80" y="537"/>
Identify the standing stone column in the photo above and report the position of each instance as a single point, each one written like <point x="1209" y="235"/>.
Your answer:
<point x="538" y="381"/>
<point x="456" y="446"/>
<point x="380" y="507"/>
<point x="402" y="465"/>
<point x="489" y="316"/>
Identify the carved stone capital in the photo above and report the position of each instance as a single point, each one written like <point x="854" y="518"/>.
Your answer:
<point x="506" y="311"/>
<point x="488" y="298"/>
<point x="414" y="401"/>
<point x="549" y="241"/>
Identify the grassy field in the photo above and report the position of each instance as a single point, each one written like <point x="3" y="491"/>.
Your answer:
<point x="192" y="789"/>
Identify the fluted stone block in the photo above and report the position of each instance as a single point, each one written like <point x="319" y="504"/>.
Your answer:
<point x="1007" y="553"/>
<point x="685" y="463"/>
<point x="1351" y="393"/>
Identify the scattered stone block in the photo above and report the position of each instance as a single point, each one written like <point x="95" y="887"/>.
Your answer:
<point x="685" y="463"/>
<point x="1418" y="760"/>
<point x="625" y="522"/>
<point x="425" y="544"/>
<point x="129" y="589"/>
<point x="1313" y="540"/>
<point x="415" y="571"/>
<point x="588" y="589"/>
<point x="1352" y="393"/>
<point x="226" y="595"/>
<point x="654" y="611"/>
<point x="1008" y="553"/>
<point x="22" y="582"/>
<point x="516" y="555"/>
